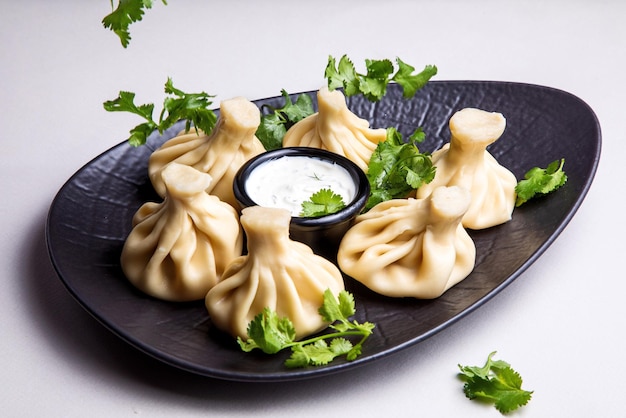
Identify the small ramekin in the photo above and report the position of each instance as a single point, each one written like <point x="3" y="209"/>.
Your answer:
<point x="323" y="234"/>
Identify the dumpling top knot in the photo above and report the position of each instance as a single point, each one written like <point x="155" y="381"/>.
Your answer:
<point x="184" y="181"/>
<point x="449" y="203"/>
<point x="337" y="129"/>
<point x="465" y="162"/>
<point x="219" y="153"/>
<point x="477" y="126"/>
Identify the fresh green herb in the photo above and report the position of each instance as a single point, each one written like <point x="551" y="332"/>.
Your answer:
<point x="180" y="105"/>
<point x="322" y="202"/>
<point x="397" y="167"/>
<point x="275" y="124"/>
<point x="272" y="334"/>
<point x="538" y="181"/>
<point x="373" y="84"/>
<point x="127" y="12"/>
<point x="495" y="382"/>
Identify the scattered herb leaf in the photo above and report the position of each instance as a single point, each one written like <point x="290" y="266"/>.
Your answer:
<point x="275" y="124"/>
<point x="179" y="105"/>
<point x="272" y="334"/>
<point x="126" y="13"/>
<point x="269" y="332"/>
<point x="538" y="181"/>
<point x="495" y="382"/>
<point x="373" y="84"/>
<point x="323" y="202"/>
<point x="410" y="81"/>
<point x="397" y="167"/>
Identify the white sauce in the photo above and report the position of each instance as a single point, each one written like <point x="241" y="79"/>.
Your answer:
<point x="288" y="181"/>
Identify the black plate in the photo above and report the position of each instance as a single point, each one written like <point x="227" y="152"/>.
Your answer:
<point x="91" y="217"/>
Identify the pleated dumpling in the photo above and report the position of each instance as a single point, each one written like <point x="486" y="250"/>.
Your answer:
<point x="220" y="154"/>
<point x="335" y="128"/>
<point x="277" y="273"/>
<point x="411" y="247"/>
<point x="178" y="249"/>
<point x="465" y="162"/>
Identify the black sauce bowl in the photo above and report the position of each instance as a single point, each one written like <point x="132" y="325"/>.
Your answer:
<point x="323" y="234"/>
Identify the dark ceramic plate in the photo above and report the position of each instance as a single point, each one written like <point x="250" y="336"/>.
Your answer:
<point x="91" y="216"/>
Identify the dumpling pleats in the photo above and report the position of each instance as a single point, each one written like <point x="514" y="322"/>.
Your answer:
<point x="220" y="154"/>
<point x="465" y="162"/>
<point x="178" y="249"/>
<point x="411" y="247"/>
<point x="276" y="273"/>
<point x="335" y="128"/>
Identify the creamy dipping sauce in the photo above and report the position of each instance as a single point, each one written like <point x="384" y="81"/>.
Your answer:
<point x="288" y="181"/>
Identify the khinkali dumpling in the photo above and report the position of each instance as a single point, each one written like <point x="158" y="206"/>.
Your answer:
<point x="178" y="249"/>
<point x="277" y="273"/>
<point x="335" y="128"/>
<point x="465" y="162"/>
<point x="411" y="247"/>
<point x="231" y="143"/>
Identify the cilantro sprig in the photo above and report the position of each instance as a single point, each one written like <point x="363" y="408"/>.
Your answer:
<point x="373" y="84"/>
<point x="397" y="167"/>
<point x="540" y="181"/>
<point x="275" y="124"/>
<point x="495" y="382"/>
<point x="272" y="334"/>
<point x="179" y="105"/>
<point x="323" y="202"/>
<point x="126" y="13"/>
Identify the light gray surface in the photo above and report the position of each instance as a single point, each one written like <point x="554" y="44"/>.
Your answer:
<point x="560" y="324"/>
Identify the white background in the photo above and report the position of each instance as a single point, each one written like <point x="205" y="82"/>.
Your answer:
<point x="561" y="324"/>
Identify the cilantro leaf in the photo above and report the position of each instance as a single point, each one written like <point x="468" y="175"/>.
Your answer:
<point x="495" y="382"/>
<point x="318" y="353"/>
<point x="299" y="358"/>
<point x="125" y="102"/>
<point x="271" y="131"/>
<point x="300" y="109"/>
<point x="333" y="310"/>
<point x="268" y="332"/>
<point x="323" y="202"/>
<point x="538" y="181"/>
<point x="126" y="13"/>
<point x="342" y="75"/>
<point x="190" y="106"/>
<point x="271" y="334"/>
<point x="396" y="167"/>
<point x="179" y="105"/>
<point x="373" y="84"/>
<point x="275" y="124"/>
<point x="411" y="82"/>
<point x="139" y="134"/>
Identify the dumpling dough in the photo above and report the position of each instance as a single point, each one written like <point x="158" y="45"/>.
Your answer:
<point x="465" y="162"/>
<point x="411" y="247"/>
<point x="178" y="249"/>
<point x="335" y="128"/>
<point x="220" y="154"/>
<point x="278" y="273"/>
